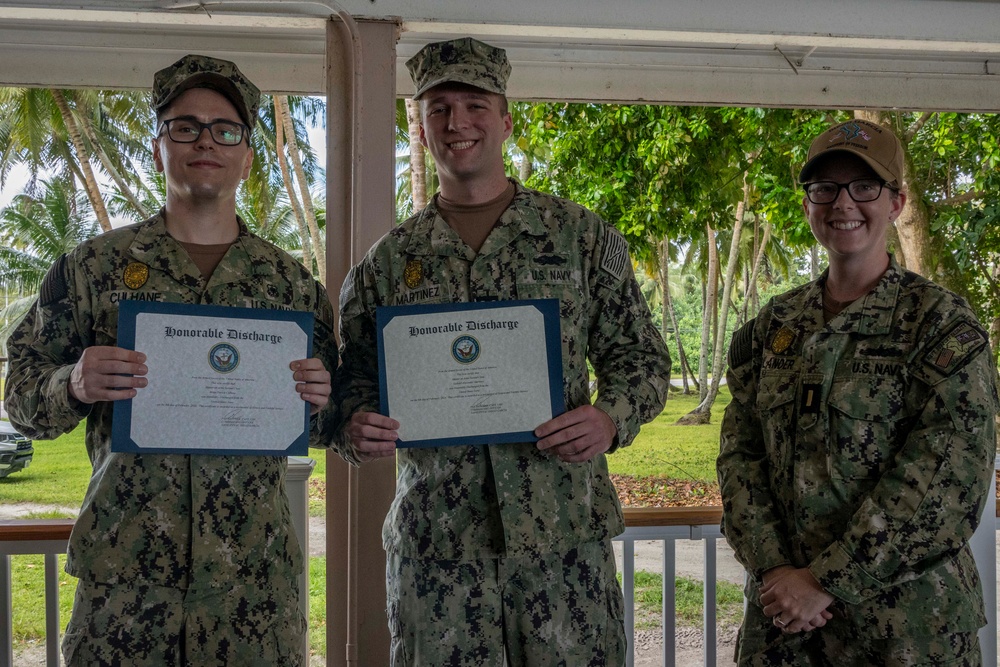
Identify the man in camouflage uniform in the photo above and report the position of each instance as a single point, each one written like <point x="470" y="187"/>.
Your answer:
<point x="502" y="549"/>
<point x="857" y="451"/>
<point x="182" y="560"/>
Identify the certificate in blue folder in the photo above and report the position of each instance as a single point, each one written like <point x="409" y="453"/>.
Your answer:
<point x="219" y="380"/>
<point x="470" y="373"/>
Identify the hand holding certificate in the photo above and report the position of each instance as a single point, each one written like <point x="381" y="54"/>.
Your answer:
<point x="470" y="373"/>
<point x="219" y="380"/>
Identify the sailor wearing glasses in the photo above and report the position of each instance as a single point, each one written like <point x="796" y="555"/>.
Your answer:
<point x="857" y="451"/>
<point x="182" y="560"/>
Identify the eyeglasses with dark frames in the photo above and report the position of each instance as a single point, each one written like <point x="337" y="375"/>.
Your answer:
<point x="187" y="130"/>
<point x="860" y="190"/>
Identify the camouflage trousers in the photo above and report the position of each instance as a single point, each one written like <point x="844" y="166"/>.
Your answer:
<point x="559" y="609"/>
<point x="156" y="626"/>
<point x="837" y="644"/>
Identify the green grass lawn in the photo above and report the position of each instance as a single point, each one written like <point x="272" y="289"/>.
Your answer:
<point x="28" y="595"/>
<point x="60" y="472"/>
<point x="689" y="596"/>
<point x="664" y="449"/>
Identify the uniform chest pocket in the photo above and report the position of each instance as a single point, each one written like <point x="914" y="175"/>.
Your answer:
<point x="572" y="298"/>
<point x="866" y="417"/>
<point x="776" y="407"/>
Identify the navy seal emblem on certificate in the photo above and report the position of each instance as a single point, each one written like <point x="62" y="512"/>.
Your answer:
<point x="465" y="349"/>
<point x="223" y="358"/>
<point x="470" y="373"/>
<point x="219" y="380"/>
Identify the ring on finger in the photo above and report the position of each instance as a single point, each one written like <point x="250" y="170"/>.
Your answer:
<point x="777" y="619"/>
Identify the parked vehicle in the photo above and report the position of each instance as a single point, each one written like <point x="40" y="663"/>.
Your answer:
<point x="15" y="450"/>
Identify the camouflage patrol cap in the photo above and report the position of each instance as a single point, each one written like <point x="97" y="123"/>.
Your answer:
<point x="876" y="145"/>
<point x="465" y="60"/>
<point x="222" y="76"/>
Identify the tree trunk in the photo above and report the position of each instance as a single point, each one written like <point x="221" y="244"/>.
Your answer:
<point x="711" y="291"/>
<point x="418" y="161"/>
<point x="913" y="224"/>
<point x="668" y="309"/>
<point x="995" y="335"/>
<point x="83" y="157"/>
<point x="913" y="227"/>
<point x="757" y="261"/>
<point x="686" y="363"/>
<point x="525" y="170"/>
<point x="319" y="249"/>
<point x="892" y="238"/>
<point x="719" y="355"/>
<point x="920" y="251"/>
<point x="286" y="177"/>
<point x="123" y="187"/>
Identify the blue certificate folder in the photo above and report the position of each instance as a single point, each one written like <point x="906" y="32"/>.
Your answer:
<point x="227" y="438"/>
<point x="549" y="309"/>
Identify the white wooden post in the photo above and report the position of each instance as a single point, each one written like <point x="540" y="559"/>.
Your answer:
<point x="984" y="548"/>
<point x="297" y="487"/>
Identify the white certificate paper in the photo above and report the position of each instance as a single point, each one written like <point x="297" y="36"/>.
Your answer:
<point x="219" y="380"/>
<point x="470" y="373"/>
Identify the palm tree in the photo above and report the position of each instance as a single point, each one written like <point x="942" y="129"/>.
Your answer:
<point x="285" y="158"/>
<point x="657" y="290"/>
<point x="416" y="175"/>
<point x="35" y="231"/>
<point x="73" y="132"/>
<point x="418" y="158"/>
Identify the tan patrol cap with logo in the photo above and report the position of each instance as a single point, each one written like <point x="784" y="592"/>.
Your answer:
<point x="876" y="145"/>
<point x="465" y="60"/>
<point x="222" y="76"/>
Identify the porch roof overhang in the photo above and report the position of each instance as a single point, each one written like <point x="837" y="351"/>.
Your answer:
<point x="908" y="54"/>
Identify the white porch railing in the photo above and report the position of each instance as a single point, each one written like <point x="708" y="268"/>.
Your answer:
<point x="50" y="537"/>
<point x="32" y="537"/>
<point x="670" y="525"/>
<point x="643" y="524"/>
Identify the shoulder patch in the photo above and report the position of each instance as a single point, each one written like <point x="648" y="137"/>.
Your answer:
<point x="54" y="286"/>
<point x="614" y="257"/>
<point x="347" y="289"/>
<point x="741" y="346"/>
<point x="962" y="342"/>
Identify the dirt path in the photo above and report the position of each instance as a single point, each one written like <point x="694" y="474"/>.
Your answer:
<point x="20" y="510"/>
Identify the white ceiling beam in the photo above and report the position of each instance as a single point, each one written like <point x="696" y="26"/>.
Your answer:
<point x="653" y="37"/>
<point x="680" y="56"/>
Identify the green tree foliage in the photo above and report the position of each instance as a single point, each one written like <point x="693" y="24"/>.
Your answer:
<point x="661" y="171"/>
<point x="711" y="181"/>
<point x="956" y="173"/>
<point x="34" y="232"/>
<point x="116" y="129"/>
<point x="85" y="135"/>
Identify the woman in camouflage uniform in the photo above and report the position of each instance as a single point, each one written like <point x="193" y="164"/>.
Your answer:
<point x="858" y="448"/>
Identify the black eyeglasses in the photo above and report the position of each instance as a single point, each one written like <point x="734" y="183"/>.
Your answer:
<point x="187" y="131"/>
<point x="861" y="190"/>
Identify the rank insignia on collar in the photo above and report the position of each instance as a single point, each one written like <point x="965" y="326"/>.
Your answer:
<point x="413" y="273"/>
<point x="135" y="275"/>
<point x="782" y="340"/>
